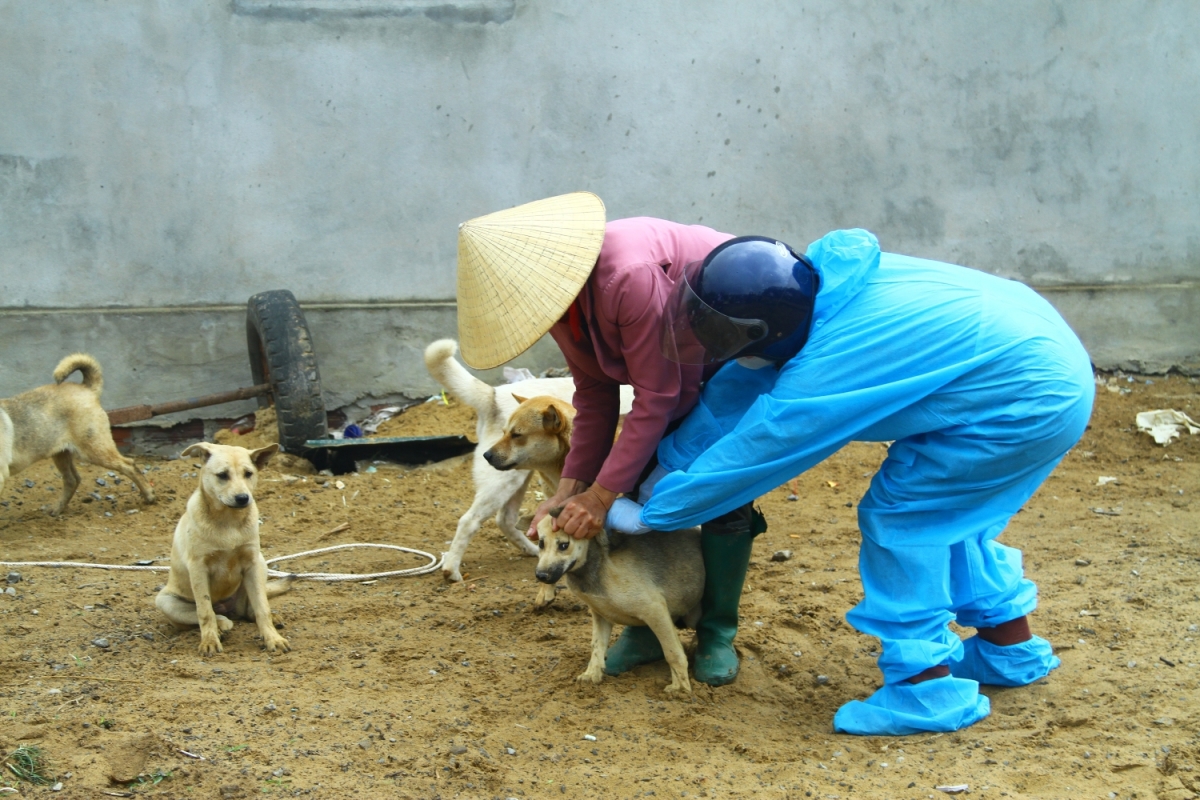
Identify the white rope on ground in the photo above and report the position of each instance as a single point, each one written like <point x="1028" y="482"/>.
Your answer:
<point x="435" y="563"/>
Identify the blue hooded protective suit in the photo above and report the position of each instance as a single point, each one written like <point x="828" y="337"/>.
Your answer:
<point x="982" y="388"/>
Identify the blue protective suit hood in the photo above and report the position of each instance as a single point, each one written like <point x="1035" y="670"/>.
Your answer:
<point x="845" y="261"/>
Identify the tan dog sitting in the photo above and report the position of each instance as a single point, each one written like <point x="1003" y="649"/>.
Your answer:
<point x="63" y="421"/>
<point x="218" y="573"/>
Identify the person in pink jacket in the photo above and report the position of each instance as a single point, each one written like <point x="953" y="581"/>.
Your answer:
<point x="610" y="333"/>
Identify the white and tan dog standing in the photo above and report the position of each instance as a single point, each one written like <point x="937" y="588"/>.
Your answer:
<point x="500" y="485"/>
<point x="218" y="573"/>
<point x="63" y="421"/>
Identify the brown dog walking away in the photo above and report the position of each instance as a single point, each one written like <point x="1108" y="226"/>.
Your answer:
<point x="218" y="573"/>
<point x="63" y="421"/>
<point x="654" y="579"/>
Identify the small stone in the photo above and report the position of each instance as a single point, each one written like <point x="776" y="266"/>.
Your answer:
<point x="797" y="653"/>
<point x="102" y="643"/>
<point x="57" y="787"/>
<point x="13" y="577"/>
<point x="822" y="680"/>
<point x="365" y="744"/>
<point x="1082" y="562"/>
<point x="101" y="482"/>
<point x="269" y="707"/>
<point x="589" y="737"/>
<point x="792" y="498"/>
<point x="1131" y="664"/>
<point x="10" y="590"/>
<point x="29" y="484"/>
<point x="1164" y="721"/>
<point x="458" y="750"/>
<point x="781" y="555"/>
<point x="510" y="751"/>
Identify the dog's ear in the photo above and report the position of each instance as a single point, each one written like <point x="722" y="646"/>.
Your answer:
<point x="552" y="421"/>
<point x="262" y="455"/>
<point x="202" y="449"/>
<point x="519" y="399"/>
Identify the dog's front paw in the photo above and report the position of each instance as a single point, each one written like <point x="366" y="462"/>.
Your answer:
<point x="210" y="644"/>
<point x="677" y="688"/>
<point x="545" y="595"/>
<point x="224" y="623"/>
<point x="277" y="643"/>
<point x="591" y="675"/>
<point x="450" y="568"/>
<point x="150" y="497"/>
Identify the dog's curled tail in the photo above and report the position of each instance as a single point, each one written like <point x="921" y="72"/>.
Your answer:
<point x="89" y="367"/>
<point x="445" y="369"/>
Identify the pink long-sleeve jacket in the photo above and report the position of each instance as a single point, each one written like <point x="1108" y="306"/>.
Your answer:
<point x="616" y="340"/>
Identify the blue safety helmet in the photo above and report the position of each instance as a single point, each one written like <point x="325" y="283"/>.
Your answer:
<point x="751" y="296"/>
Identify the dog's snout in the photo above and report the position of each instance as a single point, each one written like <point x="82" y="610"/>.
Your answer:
<point x="489" y="456"/>
<point x="548" y="575"/>
<point x="241" y="500"/>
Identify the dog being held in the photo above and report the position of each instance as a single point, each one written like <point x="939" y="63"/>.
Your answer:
<point x="540" y="444"/>
<point x="218" y="573"/>
<point x="63" y="421"/>
<point x="654" y="579"/>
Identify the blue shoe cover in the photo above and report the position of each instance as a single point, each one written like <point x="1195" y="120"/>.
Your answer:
<point x="897" y="709"/>
<point x="1011" y="665"/>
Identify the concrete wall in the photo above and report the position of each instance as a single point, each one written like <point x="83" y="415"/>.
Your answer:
<point x="189" y="154"/>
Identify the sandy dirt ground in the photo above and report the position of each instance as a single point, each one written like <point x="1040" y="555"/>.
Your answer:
<point x="412" y="688"/>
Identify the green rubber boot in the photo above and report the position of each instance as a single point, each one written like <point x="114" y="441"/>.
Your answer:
<point x="636" y="645"/>
<point x="726" y="546"/>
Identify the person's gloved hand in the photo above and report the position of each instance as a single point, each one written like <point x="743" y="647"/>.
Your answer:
<point x="646" y="490"/>
<point x="626" y="516"/>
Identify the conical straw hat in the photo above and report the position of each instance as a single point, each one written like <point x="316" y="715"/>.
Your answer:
<point x="520" y="269"/>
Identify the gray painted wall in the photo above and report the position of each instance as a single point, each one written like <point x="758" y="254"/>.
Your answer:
<point x="189" y="154"/>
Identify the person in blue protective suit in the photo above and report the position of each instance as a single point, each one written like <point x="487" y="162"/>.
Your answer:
<point x="978" y="383"/>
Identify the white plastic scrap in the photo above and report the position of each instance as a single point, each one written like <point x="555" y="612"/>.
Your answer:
<point x="1164" y="424"/>
<point x="957" y="788"/>
<point x="517" y="374"/>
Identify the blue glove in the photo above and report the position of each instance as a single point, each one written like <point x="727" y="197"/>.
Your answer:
<point x="1014" y="665"/>
<point x="898" y="709"/>
<point x="625" y="516"/>
<point x="647" y="488"/>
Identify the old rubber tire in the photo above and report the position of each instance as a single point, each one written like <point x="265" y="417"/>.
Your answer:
<point x="281" y="354"/>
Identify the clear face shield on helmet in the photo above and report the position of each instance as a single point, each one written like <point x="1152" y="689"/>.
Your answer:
<point x="696" y="333"/>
